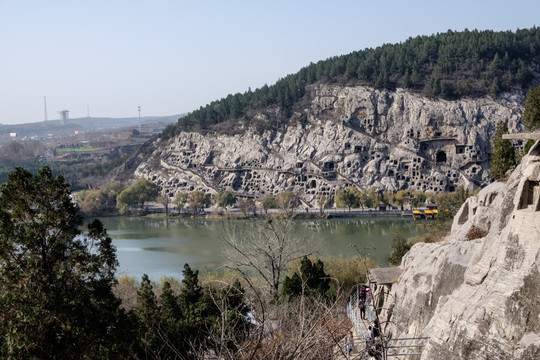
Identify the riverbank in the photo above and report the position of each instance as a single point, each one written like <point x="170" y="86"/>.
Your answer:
<point x="157" y="210"/>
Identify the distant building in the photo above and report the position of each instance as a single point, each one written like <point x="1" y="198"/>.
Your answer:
<point x="64" y="116"/>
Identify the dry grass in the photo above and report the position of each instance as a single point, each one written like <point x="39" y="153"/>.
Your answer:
<point x="476" y="233"/>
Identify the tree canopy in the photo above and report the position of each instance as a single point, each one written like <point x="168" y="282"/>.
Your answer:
<point x="184" y="325"/>
<point x="225" y="198"/>
<point x="181" y="199"/>
<point x="503" y="154"/>
<point x="198" y="200"/>
<point x="449" y="65"/>
<point x="56" y="297"/>
<point x="99" y="201"/>
<point x="312" y="280"/>
<point x="137" y="195"/>
<point x="347" y="197"/>
<point x="400" y="247"/>
<point x="531" y="115"/>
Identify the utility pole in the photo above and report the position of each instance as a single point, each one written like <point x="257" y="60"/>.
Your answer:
<point x="140" y="131"/>
<point x="45" y="106"/>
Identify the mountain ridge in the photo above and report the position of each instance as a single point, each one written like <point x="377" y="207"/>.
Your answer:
<point x="388" y="136"/>
<point x="449" y="65"/>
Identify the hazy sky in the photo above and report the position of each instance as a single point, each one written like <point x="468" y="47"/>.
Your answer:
<point x="173" y="56"/>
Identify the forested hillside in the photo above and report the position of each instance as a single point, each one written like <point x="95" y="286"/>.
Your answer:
<point x="449" y="65"/>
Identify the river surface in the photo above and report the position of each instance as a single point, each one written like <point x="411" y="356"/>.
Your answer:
<point x="161" y="247"/>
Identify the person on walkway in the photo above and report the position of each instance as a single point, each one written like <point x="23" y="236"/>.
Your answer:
<point x="362" y="306"/>
<point x="368" y="295"/>
<point x="350" y="344"/>
<point x="369" y="337"/>
<point x="372" y="354"/>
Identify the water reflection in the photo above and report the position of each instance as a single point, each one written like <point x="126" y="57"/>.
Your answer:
<point x="160" y="247"/>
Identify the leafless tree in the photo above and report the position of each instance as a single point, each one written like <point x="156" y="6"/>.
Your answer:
<point x="165" y="200"/>
<point x="306" y="328"/>
<point x="265" y="250"/>
<point x="246" y="205"/>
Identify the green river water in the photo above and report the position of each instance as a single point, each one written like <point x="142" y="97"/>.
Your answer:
<point x="161" y="247"/>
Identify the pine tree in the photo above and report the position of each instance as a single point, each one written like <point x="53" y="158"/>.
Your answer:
<point x="531" y="115"/>
<point x="503" y="155"/>
<point x="400" y="247"/>
<point x="56" y="297"/>
<point x="147" y="315"/>
<point x="312" y="280"/>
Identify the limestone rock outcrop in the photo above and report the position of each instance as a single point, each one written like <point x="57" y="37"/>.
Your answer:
<point x="342" y="136"/>
<point x="476" y="295"/>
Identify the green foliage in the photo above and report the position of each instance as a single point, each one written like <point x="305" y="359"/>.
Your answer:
<point x="449" y="65"/>
<point x="225" y="198"/>
<point x="312" y="280"/>
<point x="453" y="200"/>
<point x="56" y="297"/>
<point x="418" y="198"/>
<point x="367" y="198"/>
<point x="268" y="202"/>
<point x="400" y="198"/>
<point x="103" y="168"/>
<point x="136" y="195"/>
<point x="246" y="205"/>
<point x="400" y="247"/>
<point x="100" y="201"/>
<point x="528" y="146"/>
<point x="503" y="154"/>
<point x="198" y="200"/>
<point x="324" y="202"/>
<point x="173" y="326"/>
<point x="287" y="201"/>
<point x="347" y="197"/>
<point x="146" y="313"/>
<point x="373" y="198"/>
<point x="180" y="200"/>
<point x="348" y="272"/>
<point x="531" y="115"/>
<point x="362" y="198"/>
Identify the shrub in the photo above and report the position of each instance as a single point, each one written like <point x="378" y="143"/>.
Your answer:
<point x="476" y="233"/>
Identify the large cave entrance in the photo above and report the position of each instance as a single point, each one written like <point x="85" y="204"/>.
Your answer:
<point x="441" y="157"/>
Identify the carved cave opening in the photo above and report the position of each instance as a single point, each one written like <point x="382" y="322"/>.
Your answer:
<point x="530" y="195"/>
<point x="441" y="157"/>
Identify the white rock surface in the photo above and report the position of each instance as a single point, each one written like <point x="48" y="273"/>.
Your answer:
<point x="478" y="299"/>
<point x="343" y="136"/>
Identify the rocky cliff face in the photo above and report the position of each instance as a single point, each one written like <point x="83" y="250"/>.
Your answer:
<point x="343" y="136"/>
<point x="480" y="298"/>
